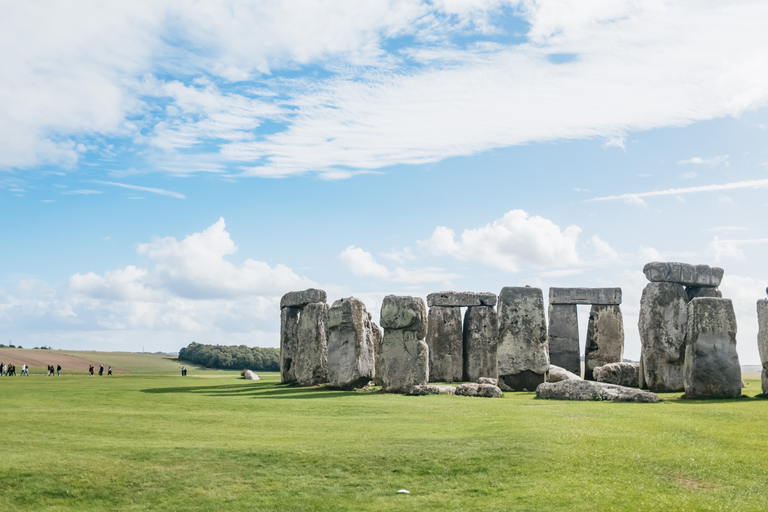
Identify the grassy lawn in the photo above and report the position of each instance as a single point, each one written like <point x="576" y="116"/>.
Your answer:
<point x="144" y="442"/>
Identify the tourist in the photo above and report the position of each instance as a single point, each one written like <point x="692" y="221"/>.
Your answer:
<point x="58" y="370"/>
<point x="101" y="370"/>
<point x="24" y="370"/>
<point x="90" y="370"/>
<point x="50" y="370"/>
<point x="2" y="369"/>
<point x="109" y="372"/>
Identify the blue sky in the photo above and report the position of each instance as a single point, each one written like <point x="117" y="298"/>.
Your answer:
<point x="169" y="169"/>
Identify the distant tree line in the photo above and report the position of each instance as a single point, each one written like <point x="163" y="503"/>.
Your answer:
<point x="232" y="357"/>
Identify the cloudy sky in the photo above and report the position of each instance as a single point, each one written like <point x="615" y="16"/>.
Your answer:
<point x="168" y="169"/>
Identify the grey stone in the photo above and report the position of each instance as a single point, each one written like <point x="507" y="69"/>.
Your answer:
<point x="564" y="337"/>
<point x="375" y="333"/>
<point x="694" y="292"/>
<point x="488" y="380"/>
<point x="446" y="348"/>
<point x="481" y="390"/>
<point x="523" y="381"/>
<point x="404" y="361"/>
<point x="480" y="339"/>
<point x="641" y="372"/>
<point x="711" y="368"/>
<point x="302" y="298"/>
<point x="351" y="356"/>
<point x="289" y="340"/>
<point x="312" y="350"/>
<point x="592" y="391"/>
<point x="403" y="312"/>
<point x="621" y="374"/>
<point x="431" y="390"/>
<point x="605" y="338"/>
<point x="249" y="375"/>
<point x="461" y="299"/>
<point x="762" y="339"/>
<point x="683" y="273"/>
<point x="557" y="374"/>
<point x="607" y="296"/>
<point x="663" y="323"/>
<point x="522" y="337"/>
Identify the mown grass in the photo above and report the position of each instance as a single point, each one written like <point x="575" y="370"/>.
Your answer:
<point x="152" y="442"/>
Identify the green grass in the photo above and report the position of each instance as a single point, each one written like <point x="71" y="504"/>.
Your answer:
<point x="140" y="442"/>
<point x="143" y="363"/>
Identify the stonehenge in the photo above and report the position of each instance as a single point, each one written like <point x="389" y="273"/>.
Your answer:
<point x="480" y="342"/>
<point x="522" y="353"/>
<point x="762" y="340"/>
<point x="621" y="374"/>
<point x="303" y="351"/>
<point x="605" y="338"/>
<point x="446" y="345"/>
<point x="404" y="353"/>
<point x="351" y="352"/>
<point x="585" y="390"/>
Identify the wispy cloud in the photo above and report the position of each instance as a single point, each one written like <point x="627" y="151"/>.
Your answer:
<point x="84" y="192"/>
<point x="159" y="191"/>
<point x="636" y="197"/>
<point x="711" y="162"/>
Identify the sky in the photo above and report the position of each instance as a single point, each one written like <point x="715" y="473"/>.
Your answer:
<point x="169" y="169"/>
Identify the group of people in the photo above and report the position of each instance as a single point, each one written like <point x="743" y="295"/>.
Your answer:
<point x="92" y="369"/>
<point x="9" y="370"/>
<point x="52" y="370"/>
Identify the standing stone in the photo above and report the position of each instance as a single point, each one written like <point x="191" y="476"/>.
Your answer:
<point x="351" y="359"/>
<point x="663" y="323"/>
<point x="711" y="367"/>
<point x="762" y="339"/>
<point x="312" y="351"/>
<point x="522" y="355"/>
<point x="375" y="333"/>
<point x="605" y="338"/>
<point x="694" y="292"/>
<point x="683" y="273"/>
<point x="403" y="312"/>
<point x="481" y="338"/>
<point x="289" y="323"/>
<point x="444" y="338"/>
<point x="404" y="353"/>
<point x="564" y="337"/>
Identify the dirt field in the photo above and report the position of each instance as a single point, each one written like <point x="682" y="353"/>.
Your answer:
<point x="43" y="358"/>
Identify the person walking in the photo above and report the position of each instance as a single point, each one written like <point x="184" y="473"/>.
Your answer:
<point x="2" y="369"/>
<point x="25" y="370"/>
<point x="101" y="370"/>
<point x="58" y="370"/>
<point x="109" y="372"/>
<point x="90" y="370"/>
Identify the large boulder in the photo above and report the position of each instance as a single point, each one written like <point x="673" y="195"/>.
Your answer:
<point x="480" y="339"/>
<point x="302" y="298"/>
<point x="446" y="348"/>
<point x="711" y="368"/>
<point x="621" y="374"/>
<point x="762" y="339"/>
<point x="557" y="374"/>
<point x="683" y="273"/>
<point x="461" y="299"/>
<point x="605" y="338"/>
<point x="311" y="363"/>
<point x="404" y="353"/>
<point x="481" y="390"/>
<point x="249" y="375"/>
<point x="522" y="355"/>
<point x="431" y="390"/>
<point x="564" y="337"/>
<point x="585" y="390"/>
<point x="289" y="341"/>
<point x="351" y="356"/>
<point x="404" y="312"/>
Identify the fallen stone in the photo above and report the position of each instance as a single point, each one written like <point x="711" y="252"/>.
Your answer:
<point x="249" y="375"/>
<point x="522" y="338"/>
<point x="663" y="323"/>
<point x="481" y="390"/>
<point x="351" y="356"/>
<point x="488" y="380"/>
<point x="605" y="338"/>
<point x="557" y="374"/>
<point x="621" y="374"/>
<point x="302" y="298"/>
<point x="605" y="296"/>
<point x="446" y="346"/>
<point x="585" y="390"/>
<point x="564" y="337"/>
<point x="461" y="299"/>
<point x="711" y="368"/>
<point x="311" y="362"/>
<point x="762" y="339"/>
<point x="289" y="340"/>
<point x="480" y="341"/>
<point x="431" y="390"/>
<point x="403" y="312"/>
<point x="694" y="292"/>
<point x="683" y="273"/>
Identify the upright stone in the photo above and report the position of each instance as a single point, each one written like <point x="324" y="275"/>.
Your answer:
<point x="289" y="324"/>
<point x="481" y="338"/>
<point x="351" y="356"/>
<point x="312" y="350"/>
<point x="404" y="353"/>
<point x="762" y="339"/>
<point x="444" y="338"/>
<point x="605" y="338"/>
<point x="375" y="333"/>
<point x="663" y="323"/>
<point x="711" y="367"/>
<point x="683" y="273"/>
<point x="564" y="337"/>
<point x="522" y="356"/>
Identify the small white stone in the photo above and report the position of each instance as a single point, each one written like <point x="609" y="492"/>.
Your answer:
<point x="403" y="491"/>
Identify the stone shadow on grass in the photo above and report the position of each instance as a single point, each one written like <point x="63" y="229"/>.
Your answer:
<point x="279" y="391"/>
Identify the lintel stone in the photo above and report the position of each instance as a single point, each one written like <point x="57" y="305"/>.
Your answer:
<point x="302" y="298"/>
<point x="461" y="299"/>
<point x="599" y="296"/>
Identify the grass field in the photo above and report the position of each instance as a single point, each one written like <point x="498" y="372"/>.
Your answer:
<point x="153" y="442"/>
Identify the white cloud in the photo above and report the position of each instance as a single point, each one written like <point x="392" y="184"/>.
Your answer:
<point x="636" y="197"/>
<point x="710" y="162"/>
<point x="615" y="141"/>
<point x="363" y="264"/>
<point x="731" y="249"/>
<point x="159" y="191"/>
<point x="689" y="175"/>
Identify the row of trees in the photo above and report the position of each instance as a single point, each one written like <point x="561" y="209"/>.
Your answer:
<point x="232" y="357"/>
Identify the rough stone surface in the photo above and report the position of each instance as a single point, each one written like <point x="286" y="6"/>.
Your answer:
<point x="564" y="337"/>
<point x="711" y="368"/>
<point x="461" y="299"/>
<point x="683" y="273"/>
<point x="403" y="312"/>
<point x="446" y="346"/>
<point x="663" y="323"/>
<point x="523" y="381"/>
<point x="404" y="361"/>
<point x="249" y="375"/>
<point x="694" y="292"/>
<point x="351" y="356"/>
<point x="375" y="333"/>
<point x="592" y="391"/>
<point x="311" y="361"/>
<point x="557" y="374"/>
<point x="641" y="372"/>
<point x="289" y="323"/>
<point x="621" y="374"/>
<point x="762" y="339"/>
<point x="605" y="338"/>
<point x="480" y="341"/>
<point x="302" y="298"/>
<point x="605" y="296"/>
<point x="431" y="390"/>
<point x="488" y="380"/>
<point x="522" y="336"/>
<point x="481" y="390"/>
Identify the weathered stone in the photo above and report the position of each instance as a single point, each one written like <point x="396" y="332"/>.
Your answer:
<point x="762" y="339"/>
<point x="711" y="368"/>
<point x="249" y="375"/>
<point x="431" y="390"/>
<point x="522" y="337"/>
<point x="461" y="299"/>
<point x="403" y="312"/>
<point x="524" y="381"/>
<point x="302" y="298"/>
<point x="557" y="374"/>
<point x="605" y="338"/>
<point x="446" y="347"/>
<point x="481" y="390"/>
<point x="694" y="292"/>
<point x="375" y="333"/>
<point x="683" y="273"/>
<point x="605" y="296"/>
<point x="621" y="374"/>
<point x="404" y="361"/>
<point x="312" y="349"/>
<point x="351" y="356"/>
<point x="289" y="323"/>
<point x="663" y="323"/>
<point x="480" y="339"/>
<point x="488" y="380"/>
<point x="564" y="337"/>
<point x="641" y="372"/>
<point x="592" y="391"/>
